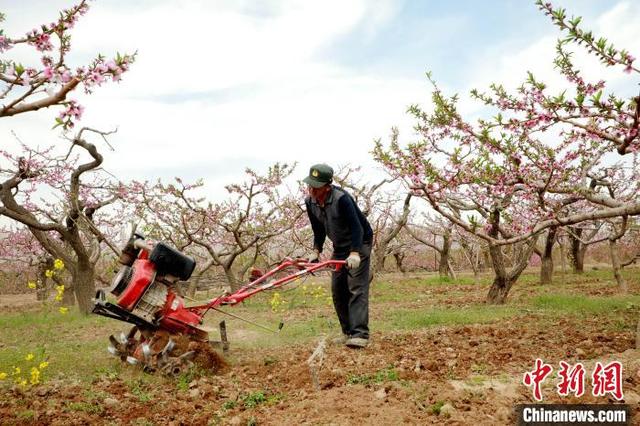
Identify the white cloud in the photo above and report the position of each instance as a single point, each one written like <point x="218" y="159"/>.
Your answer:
<point x="220" y="85"/>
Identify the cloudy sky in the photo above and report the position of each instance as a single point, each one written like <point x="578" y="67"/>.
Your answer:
<point x="221" y="85"/>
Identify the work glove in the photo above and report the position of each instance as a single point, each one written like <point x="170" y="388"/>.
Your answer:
<point x="314" y="257"/>
<point x="353" y="261"/>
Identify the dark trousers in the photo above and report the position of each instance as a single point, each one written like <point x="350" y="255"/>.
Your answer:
<point x="350" y="291"/>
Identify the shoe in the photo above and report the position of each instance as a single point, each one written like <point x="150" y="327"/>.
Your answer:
<point x="340" y="340"/>
<point x="357" y="342"/>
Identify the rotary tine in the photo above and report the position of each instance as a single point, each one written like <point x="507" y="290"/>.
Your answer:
<point x="163" y="356"/>
<point x="117" y="348"/>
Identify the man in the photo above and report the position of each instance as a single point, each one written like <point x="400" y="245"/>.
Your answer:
<point x="333" y="213"/>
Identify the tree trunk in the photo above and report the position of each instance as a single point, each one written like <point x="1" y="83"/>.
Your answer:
<point x="563" y="261"/>
<point x="615" y="262"/>
<point x="476" y="276"/>
<point x="500" y="290"/>
<point x="546" y="270"/>
<point x="399" y="258"/>
<point x="546" y="266"/>
<point x="41" y="283"/>
<point x="486" y="259"/>
<point x="84" y="287"/>
<point x="193" y="286"/>
<point x="231" y="278"/>
<point x="578" y="250"/>
<point x="504" y="279"/>
<point x="68" y="297"/>
<point x="377" y="261"/>
<point x="444" y="265"/>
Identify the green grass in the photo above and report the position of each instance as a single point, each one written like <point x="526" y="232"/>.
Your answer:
<point x="254" y="399"/>
<point x="410" y="289"/>
<point x="184" y="379"/>
<point x="141" y="389"/>
<point x="578" y="304"/>
<point x="75" y="345"/>
<point x="26" y="415"/>
<point x="384" y="375"/>
<point x="437" y="280"/>
<point x="435" y="408"/>
<point x="229" y="405"/>
<point x="410" y="319"/>
<point x="86" y="407"/>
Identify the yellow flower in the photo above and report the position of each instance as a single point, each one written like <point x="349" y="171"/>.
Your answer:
<point x="60" y="292"/>
<point x="58" y="264"/>
<point x="276" y="301"/>
<point x="43" y="365"/>
<point x="29" y="357"/>
<point x="63" y="310"/>
<point x="16" y="371"/>
<point x="31" y="284"/>
<point x="35" y="376"/>
<point x="48" y="273"/>
<point x="3" y="376"/>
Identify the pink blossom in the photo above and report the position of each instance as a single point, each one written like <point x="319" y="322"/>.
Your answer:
<point x="65" y="76"/>
<point x="26" y="79"/>
<point x="111" y="64"/>
<point x="102" y="67"/>
<point x="4" y="44"/>
<point x="47" y="73"/>
<point x="96" y="78"/>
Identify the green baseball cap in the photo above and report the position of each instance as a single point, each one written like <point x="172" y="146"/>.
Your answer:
<point x="319" y="175"/>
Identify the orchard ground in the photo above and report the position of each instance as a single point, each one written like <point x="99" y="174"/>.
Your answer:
<point x="438" y="355"/>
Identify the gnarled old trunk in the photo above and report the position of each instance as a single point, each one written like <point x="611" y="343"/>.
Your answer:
<point x="504" y="280"/>
<point x="83" y="286"/>
<point x="500" y="289"/>
<point x="546" y="270"/>
<point x="546" y="266"/>
<point x="42" y="283"/>
<point x="444" y="266"/>
<point x="233" y="281"/>
<point x="399" y="257"/>
<point x="578" y="250"/>
<point x="378" y="257"/>
<point x="615" y="263"/>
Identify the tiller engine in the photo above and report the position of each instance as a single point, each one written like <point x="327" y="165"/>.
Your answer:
<point x="167" y="335"/>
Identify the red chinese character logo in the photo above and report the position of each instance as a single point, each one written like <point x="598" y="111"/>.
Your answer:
<point x="572" y="379"/>
<point x="608" y="379"/>
<point x="536" y="377"/>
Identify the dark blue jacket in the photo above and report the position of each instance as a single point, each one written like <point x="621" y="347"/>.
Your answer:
<point x="341" y="220"/>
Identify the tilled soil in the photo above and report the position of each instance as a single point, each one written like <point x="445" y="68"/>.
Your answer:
<point x="449" y="375"/>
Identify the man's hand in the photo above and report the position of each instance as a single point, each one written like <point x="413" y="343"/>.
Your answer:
<point x="353" y="261"/>
<point x="314" y="257"/>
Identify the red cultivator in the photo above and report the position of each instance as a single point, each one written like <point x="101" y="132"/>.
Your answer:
<point x="168" y="335"/>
